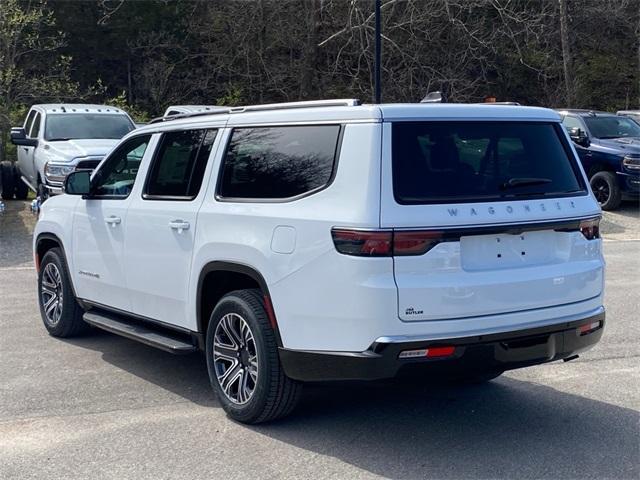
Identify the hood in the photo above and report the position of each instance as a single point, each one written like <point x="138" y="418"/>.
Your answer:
<point x="70" y="149"/>
<point x="622" y="145"/>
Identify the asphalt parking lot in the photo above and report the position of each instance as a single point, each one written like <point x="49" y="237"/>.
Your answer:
<point x="102" y="406"/>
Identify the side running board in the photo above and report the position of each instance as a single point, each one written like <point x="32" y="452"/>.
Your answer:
<point x="140" y="332"/>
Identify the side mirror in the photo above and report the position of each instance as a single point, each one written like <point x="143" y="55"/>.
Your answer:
<point x="579" y="137"/>
<point x="19" y="137"/>
<point x="78" y="183"/>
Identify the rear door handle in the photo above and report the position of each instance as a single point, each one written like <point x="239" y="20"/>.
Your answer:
<point x="179" y="225"/>
<point x="113" y="220"/>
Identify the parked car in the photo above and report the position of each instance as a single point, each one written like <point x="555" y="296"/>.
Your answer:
<point x="609" y="148"/>
<point x="635" y="114"/>
<point x="57" y="139"/>
<point x="182" y="109"/>
<point x="332" y="241"/>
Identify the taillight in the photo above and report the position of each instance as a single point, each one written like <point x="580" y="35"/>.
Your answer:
<point x="363" y="243"/>
<point x="590" y="228"/>
<point x="384" y="243"/>
<point x="415" y="243"/>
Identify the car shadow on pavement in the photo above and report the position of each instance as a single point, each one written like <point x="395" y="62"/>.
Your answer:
<point x="183" y="375"/>
<point x="503" y="429"/>
<point x="622" y="223"/>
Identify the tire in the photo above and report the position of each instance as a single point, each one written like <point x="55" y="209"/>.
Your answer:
<point x="7" y="181"/>
<point x="54" y="285"/>
<point x="606" y="190"/>
<point x="21" y="189"/>
<point x="42" y="192"/>
<point x="268" y="394"/>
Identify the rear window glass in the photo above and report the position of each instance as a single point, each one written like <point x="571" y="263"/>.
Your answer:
<point x="278" y="162"/>
<point x="445" y="162"/>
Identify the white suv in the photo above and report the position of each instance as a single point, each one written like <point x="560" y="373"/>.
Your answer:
<point x="332" y="241"/>
<point x="57" y="139"/>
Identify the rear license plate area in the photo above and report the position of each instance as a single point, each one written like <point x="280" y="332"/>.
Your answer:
<point x="494" y="252"/>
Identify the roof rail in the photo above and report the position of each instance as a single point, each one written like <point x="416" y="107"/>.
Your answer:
<point x="344" y="102"/>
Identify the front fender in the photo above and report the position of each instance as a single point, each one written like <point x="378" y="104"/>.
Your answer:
<point x="56" y="220"/>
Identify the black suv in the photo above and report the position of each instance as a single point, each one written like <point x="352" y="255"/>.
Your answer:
<point x="609" y="148"/>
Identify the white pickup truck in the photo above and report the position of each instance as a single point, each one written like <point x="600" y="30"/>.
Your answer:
<point x="57" y="139"/>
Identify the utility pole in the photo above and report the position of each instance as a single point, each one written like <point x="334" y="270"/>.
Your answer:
<point x="378" y="55"/>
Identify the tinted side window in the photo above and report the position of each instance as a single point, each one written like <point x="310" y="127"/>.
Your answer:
<point x="116" y="176"/>
<point x="29" y="122"/>
<point x="278" y="162"/>
<point x="179" y="164"/>
<point x="35" y="129"/>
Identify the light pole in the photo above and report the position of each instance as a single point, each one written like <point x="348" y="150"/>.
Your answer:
<point x="378" y="54"/>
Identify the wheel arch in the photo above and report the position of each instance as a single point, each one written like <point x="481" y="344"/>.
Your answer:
<point x="46" y="241"/>
<point x="221" y="277"/>
<point x="600" y="167"/>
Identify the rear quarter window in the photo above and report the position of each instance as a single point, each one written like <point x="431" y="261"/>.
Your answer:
<point x="448" y="162"/>
<point x="278" y="163"/>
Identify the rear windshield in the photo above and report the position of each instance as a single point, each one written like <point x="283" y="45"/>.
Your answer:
<point x="79" y="126"/>
<point x="448" y="162"/>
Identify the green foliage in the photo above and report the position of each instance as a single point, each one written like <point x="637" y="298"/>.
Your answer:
<point x="145" y="55"/>
<point x="135" y="112"/>
<point x="31" y="65"/>
<point x="232" y="98"/>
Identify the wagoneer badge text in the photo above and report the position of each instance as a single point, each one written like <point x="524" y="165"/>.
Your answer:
<point x="527" y="208"/>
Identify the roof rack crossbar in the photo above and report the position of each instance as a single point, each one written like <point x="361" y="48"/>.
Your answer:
<point x="344" y="102"/>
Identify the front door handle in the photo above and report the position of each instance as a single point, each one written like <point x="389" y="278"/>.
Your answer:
<point x="179" y="225"/>
<point x="113" y="220"/>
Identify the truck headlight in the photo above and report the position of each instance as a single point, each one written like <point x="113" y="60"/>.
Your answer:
<point x="631" y="163"/>
<point x="57" y="173"/>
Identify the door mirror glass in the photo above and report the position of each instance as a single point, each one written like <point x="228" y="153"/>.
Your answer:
<point x="78" y="183"/>
<point x="19" y="137"/>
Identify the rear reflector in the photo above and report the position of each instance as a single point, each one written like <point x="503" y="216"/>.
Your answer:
<point x="432" y="352"/>
<point x="268" y="306"/>
<point x="588" y="328"/>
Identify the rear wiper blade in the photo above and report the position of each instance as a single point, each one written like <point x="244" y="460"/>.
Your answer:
<point x="523" y="182"/>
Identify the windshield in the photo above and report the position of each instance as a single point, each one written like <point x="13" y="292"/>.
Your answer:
<point x="86" y="126"/>
<point x="612" y="127"/>
<point x="448" y="162"/>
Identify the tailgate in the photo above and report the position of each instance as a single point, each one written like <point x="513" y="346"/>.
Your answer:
<point x="483" y="274"/>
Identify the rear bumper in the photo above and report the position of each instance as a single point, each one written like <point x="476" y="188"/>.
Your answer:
<point x="483" y="353"/>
